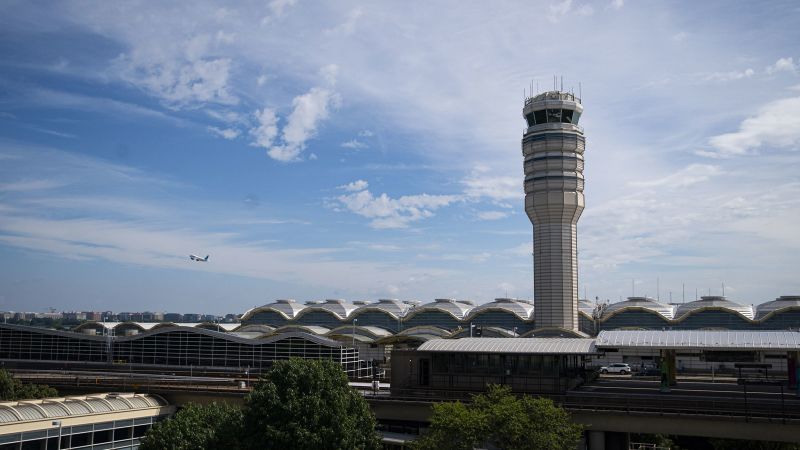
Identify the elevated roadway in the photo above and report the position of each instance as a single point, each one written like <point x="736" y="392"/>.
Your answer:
<point x="718" y="410"/>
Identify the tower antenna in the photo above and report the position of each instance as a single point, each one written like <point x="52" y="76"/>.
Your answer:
<point x="580" y="91"/>
<point x="658" y="289"/>
<point x="562" y="84"/>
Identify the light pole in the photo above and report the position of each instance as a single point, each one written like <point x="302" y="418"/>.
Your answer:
<point x="354" y="345"/>
<point x="471" y="326"/>
<point x="354" y="332"/>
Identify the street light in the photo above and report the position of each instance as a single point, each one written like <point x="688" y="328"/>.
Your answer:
<point x="354" y="332"/>
<point x="354" y="342"/>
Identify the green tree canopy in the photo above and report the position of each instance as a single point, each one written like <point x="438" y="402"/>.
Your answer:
<point x="197" y="427"/>
<point x="302" y="404"/>
<point x="13" y="389"/>
<point x="500" y="419"/>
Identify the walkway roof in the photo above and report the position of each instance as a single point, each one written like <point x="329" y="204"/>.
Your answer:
<point x="545" y="346"/>
<point x="75" y="406"/>
<point x="700" y="339"/>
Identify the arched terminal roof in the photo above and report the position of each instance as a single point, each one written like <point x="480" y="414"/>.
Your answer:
<point x="521" y="308"/>
<point x="780" y="303"/>
<point x="337" y="306"/>
<point x="713" y="302"/>
<point x="391" y="306"/>
<point x="457" y="309"/>
<point x="639" y="303"/>
<point x="287" y="307"/>
<point x="74" y="406"/>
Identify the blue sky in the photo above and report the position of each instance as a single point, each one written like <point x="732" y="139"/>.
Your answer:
<point x="362" y="151"/>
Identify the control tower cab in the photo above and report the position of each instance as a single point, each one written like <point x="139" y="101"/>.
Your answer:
<point x="553" y="146"/>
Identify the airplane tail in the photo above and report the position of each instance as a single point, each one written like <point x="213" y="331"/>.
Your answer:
<point x="206" y="258"/>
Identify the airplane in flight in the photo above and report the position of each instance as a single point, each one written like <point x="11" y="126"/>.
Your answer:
<point x="198" y="259"/>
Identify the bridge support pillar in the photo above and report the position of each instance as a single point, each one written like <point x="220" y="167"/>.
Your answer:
<point x="607" y="440"/>
<point x="793" y="369"/>
<point x="596" y="440"/>
<point x="668" y="368"/>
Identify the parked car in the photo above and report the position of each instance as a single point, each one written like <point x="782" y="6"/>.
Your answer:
<point x="620" y="368"/>
<point x="649" y="371"/>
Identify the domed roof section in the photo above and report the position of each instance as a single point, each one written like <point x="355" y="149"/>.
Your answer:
<point x="586" y="307"/>
<point x="448" y="305"/>
<point x="714" y="302"/>
<point x="522" y="308"/>
<point x="288" y="307"/>
<point x="784" y="301"/>
<point x="391" y="306"/>
<point x="646" y="303"/>
<point x="335" y="305"/>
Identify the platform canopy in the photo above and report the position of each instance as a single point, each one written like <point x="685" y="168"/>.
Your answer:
<point x="700" y="340"/>
<point x="542" y="346"/>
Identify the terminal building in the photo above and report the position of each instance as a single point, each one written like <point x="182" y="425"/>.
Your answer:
<point x="506" y="317"/>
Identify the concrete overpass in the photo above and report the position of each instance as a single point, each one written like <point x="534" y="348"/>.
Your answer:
<point x="608" y="408"/>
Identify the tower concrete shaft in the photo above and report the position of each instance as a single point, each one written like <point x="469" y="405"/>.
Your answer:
<point x="553" y="146"/>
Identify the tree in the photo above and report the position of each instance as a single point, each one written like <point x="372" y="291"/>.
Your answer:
<point x="499" y="419"/>
<point x="13" y="389"/>
<point x="302" y="404"/>
<point x="197" y="427"/>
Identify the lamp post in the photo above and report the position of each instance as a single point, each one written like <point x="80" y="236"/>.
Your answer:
<point x="354" y="344"/>
<point x="354" y="332"/>
<point x="471" y="326"/>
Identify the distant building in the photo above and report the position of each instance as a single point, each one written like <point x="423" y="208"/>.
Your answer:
<point x="94" y="315"/>
<point x="191" y="317"/>
<point x="173" y="317"/>
<point x="74" y="315"/>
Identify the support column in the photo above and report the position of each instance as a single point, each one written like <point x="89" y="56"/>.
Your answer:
<point x="793" y="371"/>
<point x="667" y="369"/>
<point x="597" y="440"/>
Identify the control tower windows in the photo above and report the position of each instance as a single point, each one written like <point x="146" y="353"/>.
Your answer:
<point x="541" y="116"/>
<point x="552" y="116"/>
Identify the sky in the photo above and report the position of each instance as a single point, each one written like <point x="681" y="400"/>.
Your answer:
<point x="372" y="150"/>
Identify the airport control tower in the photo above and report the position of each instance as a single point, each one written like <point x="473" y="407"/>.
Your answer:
<point x="553" y="146"/>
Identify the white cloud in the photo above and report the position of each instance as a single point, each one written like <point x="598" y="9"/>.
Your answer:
<point x="492" y="215"/>
<point x="480" y="184"/>
<point x="267" y="128"/>
<point x="730" y="76"/>
<point x="680" y="36"/>
<point x="308" y="111"/>
<point x="558" y="9"/>
<point x="29" y="185"/>
<point x="782" y="65"/>
<point x="358" y="185"/>
<point x="366" y="133"/>
<point x="617" y="4"/>
<point x="227" y="133"/>
<point x="354" y="144"/>
<point x="261" y="80"/>
<point x="349" y="25"/>
<point x="776" y="124"/>
<point x="278" y="7"/>
<point x="692" y="174"/>
<point x="186" y="82"/>
<point x="387" y="212"/>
